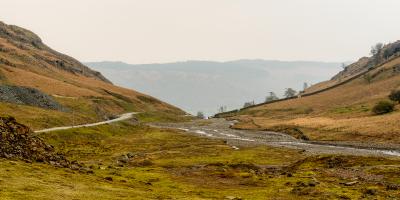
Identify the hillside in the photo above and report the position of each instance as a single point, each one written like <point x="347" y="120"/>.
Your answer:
<point x="387" y="52"/>
<point x="69" y="92"/>
<point x="206" y="85"/>
<point x="342" y="113"/>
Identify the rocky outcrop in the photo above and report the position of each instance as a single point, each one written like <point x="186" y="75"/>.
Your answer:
<point x="17" y="142"/>
<point x="388" y="52"/>
<point x="28" y="96"/>
<point x="362" y="65"/>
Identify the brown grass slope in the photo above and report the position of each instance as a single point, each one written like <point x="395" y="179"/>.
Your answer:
<point x="342" y="113"/>
<point x="388" y="52"/>
<point x="26" y="61"/>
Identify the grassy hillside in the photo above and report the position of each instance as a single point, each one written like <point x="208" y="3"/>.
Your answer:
<point x="86" y="94"/>
<point x="342" y="113"/>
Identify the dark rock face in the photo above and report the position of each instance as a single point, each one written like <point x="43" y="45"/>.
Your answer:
<point x="17" y="142"/>
<point x="28" y="96"/>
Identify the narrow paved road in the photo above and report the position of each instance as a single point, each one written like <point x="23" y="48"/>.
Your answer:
<point x="120" y="118"/>
<point x="220" y="129"/>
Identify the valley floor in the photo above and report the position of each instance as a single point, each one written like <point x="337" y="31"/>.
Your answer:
<point x="127" y="160"/>
<point x="221" y="129"/>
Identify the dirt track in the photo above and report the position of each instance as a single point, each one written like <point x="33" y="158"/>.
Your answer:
<point x="120" y="118"/>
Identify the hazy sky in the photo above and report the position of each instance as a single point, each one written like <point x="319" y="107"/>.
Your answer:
<point x="147" y="31"/>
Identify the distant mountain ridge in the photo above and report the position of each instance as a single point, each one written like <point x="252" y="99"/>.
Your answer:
<point x="206" y="85"/>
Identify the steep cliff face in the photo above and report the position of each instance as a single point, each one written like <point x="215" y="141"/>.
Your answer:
<point x="16" y="42"/>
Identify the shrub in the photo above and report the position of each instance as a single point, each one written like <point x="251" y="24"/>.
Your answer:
<point x="383" y="107"/>
<point x="395" y="95"/>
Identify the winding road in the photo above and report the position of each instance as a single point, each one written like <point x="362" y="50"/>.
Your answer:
<point x="120" y="118"/>
<point x="220" y="129"/>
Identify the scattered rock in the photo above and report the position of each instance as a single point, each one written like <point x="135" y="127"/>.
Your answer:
<point x="130" y="155"/>
<point x="18" y="142"/>
<point x="233" y="198"/>
<point x="123" y="159"/>
<point x="290" y="130"/>
<point x="350" y="183"/>
<point x="28" y="96"/>
<point x="313" y="183"/>
<point x="302" y="188"/>
<point x="370" y="191"/>
<point x="393" y="187"/>
<point x="344" y="197"/>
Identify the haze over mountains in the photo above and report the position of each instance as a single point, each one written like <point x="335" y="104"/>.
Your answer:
<point x="205" y="85"/>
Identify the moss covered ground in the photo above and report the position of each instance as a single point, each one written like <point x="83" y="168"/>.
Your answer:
<point x="132" y="161"/>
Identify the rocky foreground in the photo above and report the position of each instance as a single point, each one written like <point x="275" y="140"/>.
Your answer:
<point x="18" y="142"/>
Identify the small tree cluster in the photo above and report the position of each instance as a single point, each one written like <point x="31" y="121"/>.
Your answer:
<point x="200" y="115"/>
<point x="381" y="51"/>
<point x="290" y="93"/>
<point x="391" y="49"/>
<point x="376" y="51"/>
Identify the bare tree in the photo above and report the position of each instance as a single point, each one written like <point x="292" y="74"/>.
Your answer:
<point x="200" y="115"/>
<point x="368" y="78"/>
<point x="344" y="66"/>
<point x="290" y="93"/>
<point x="305" y="86"/>
<point x="272" y="97"/>
<point x="376" y="53"/>
<point x="248" y="104"/>
<point x="376" y="49"/>
<point x="222" y="109"/>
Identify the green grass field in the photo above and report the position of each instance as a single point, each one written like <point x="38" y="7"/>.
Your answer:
<point x="167" y="164"/>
